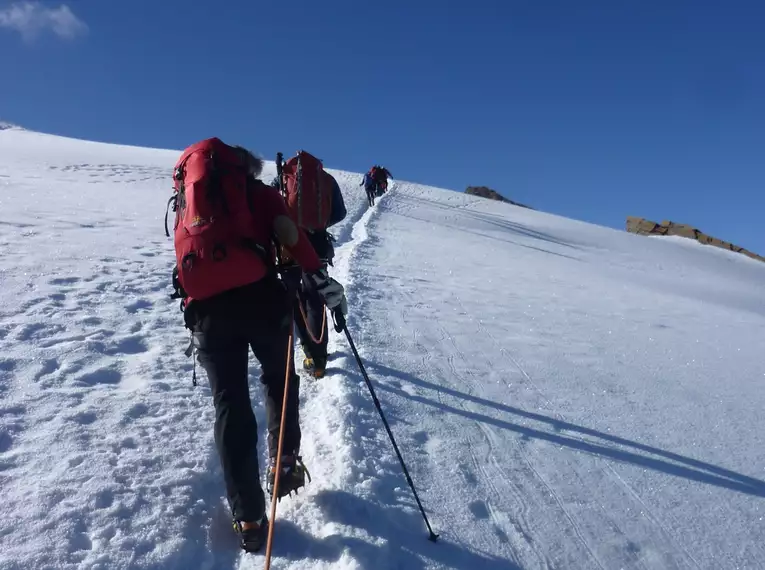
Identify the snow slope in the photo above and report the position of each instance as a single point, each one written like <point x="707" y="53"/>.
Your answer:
<point x="566" y="396"/>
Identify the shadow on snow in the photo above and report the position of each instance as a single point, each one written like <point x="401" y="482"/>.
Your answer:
<point x="388" y="542"/>
<point x="651" y="458"/>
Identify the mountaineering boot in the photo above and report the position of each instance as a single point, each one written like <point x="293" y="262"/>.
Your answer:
<point x="292" y="477"/>
<point x="315" y="367"/>
<point x="252" y="535"/>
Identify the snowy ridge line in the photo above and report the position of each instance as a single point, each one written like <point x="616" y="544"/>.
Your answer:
<point x="4" y="126"/>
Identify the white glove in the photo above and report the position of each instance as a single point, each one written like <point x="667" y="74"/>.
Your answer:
<point x="330" y="290"/>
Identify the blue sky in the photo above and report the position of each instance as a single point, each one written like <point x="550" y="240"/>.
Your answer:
<point x="593" y="109"/>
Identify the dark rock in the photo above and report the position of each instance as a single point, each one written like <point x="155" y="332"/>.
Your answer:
<point x="486" y="192"/>
<point x="642" y="226"/>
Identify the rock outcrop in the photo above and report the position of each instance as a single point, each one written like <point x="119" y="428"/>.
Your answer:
<point x="667" y="228"/>
<point x="486" y="192"/>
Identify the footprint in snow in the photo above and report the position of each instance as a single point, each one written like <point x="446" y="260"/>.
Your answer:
<point x="160" y="285"/>
<point x="80" y="540"/>
<point x="84" y="418"/>
<point x="128" y="345"/>
<point x="420" y="437"/>
<point x="28" y="331"/>
<point x="54" y="497"/>
<point x="104" y="499"/>
<point x="137" y="410"/>
<point x="102" y="376"/>
<point x="127" y="443"/>
<point x="31" y="303"/>
<point x="47" y="367"/>
<point x="93" y="336"/>
<point x="479" y="510"/>
<point x="633" y="549"/>
<point x="13" y="410"/>
<point x="106" y="533"/>
<point x="7" y="463"/>
<point x="76" y="460"/>
<point x="6" y="440"/>
<point x="136" y="306"/>
<point x="64" y="281"/>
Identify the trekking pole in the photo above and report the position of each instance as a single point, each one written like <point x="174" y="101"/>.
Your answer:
<point x="279" y="453"/>
<point x="280" y="171"/>
<point x="340" y="326"/>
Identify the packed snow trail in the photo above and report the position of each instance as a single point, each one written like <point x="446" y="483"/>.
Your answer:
<point x="566" y="396"/>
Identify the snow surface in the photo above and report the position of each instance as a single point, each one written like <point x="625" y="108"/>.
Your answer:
<point x="566" y="396"/>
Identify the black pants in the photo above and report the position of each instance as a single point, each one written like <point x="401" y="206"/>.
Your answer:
<point x="371" y="192"/>
<point x="258" y="316"/>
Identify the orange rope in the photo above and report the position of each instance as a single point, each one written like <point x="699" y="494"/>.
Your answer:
<point x="275" y="496"/>
<point x="308" y="327"/>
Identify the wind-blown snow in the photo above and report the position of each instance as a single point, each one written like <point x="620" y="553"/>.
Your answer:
<point x="566" y="396"/>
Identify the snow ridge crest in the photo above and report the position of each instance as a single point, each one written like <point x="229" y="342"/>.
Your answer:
<point x="5" y="126"/>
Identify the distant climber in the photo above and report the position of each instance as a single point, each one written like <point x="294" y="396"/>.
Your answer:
<point x="375" y="182"/>
<point x="370" y="187"/>
<point x="381" y="175"/>
<point x="316" y="203"/>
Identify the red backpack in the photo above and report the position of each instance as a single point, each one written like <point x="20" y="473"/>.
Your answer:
<point x="308" y="191"/>
<point x="214" y="238"/>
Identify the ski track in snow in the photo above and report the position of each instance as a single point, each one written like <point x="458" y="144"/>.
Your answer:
<point x="515" y="482"/>
<point x="565" y="396"/>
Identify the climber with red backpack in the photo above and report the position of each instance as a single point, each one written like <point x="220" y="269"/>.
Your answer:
<point x="369" y="182"/>
<point x="228" y="226"/>
<point x="381" y="175"/>
<point x="315" y="202"/>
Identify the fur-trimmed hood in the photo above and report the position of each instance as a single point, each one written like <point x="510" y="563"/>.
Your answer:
<point x="255" y="163"/>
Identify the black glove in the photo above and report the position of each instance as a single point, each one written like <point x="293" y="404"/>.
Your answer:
<point x="178" y="292"/>
<point x="291" y="275"/>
